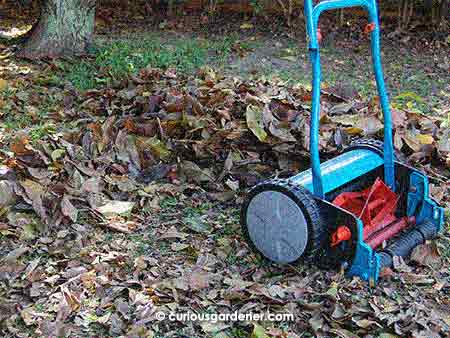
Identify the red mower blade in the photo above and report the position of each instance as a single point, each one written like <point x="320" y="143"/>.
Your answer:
<point x="375" y="240"/>
<point x="376" y="208"/>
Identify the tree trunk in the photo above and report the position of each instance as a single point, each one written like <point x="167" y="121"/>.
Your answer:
<point x="406" y="8"/>
<point x="64" y="28"/>
<point x="443" y="12"/>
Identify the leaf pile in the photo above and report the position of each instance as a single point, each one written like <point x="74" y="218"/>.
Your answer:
<point x="221" y="133"/>
<point x="125" y="207"/>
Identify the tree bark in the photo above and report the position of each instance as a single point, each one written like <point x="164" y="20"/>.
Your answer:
<point x="443" y="11"/>
<point x="64" y="28"/>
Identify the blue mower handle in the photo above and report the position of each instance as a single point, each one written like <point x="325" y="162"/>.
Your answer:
<point x="312" y="15"/>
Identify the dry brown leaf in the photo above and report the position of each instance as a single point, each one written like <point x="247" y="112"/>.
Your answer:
<point x="120" y="225"/>
<point x="425" y="139"/>
<point x="68" y="209"/>
<point x="21" y="146"/>
<point x="3" y="84"/>
<point x="426" y="254"/>
<point x="255" y="122"/>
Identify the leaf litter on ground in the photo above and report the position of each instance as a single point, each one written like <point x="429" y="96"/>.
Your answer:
<point x="129" y="207"/>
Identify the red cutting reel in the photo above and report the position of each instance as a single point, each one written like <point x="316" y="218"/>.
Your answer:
<point x="376" y="207"/>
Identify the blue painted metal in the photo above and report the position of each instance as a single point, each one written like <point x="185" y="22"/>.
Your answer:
<point x="416" y="194"/>
<point x="420" y="204"/>
<point x="341" y="170"/>
<point x="366" y="263"/>
<point x="312" y="14"/>
<point x="328" y="176"/>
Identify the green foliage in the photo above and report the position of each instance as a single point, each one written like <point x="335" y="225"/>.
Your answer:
<point x="115" y="60"/>
<point x="41" y="131"/>
<point x="257" y="5"/>
<point x="16" y="122"/>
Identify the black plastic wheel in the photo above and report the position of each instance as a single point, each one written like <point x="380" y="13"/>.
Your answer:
<point x="375" y="145"/>
<point x="283" y="222"/>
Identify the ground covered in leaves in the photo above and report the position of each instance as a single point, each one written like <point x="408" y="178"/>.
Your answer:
<point x="122" y="174"/>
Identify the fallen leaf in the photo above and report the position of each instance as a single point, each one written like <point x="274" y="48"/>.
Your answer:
<point x="246" y="25"/>
<point x="344" y="333"/>
<point x="398" y="118"/>
<point x="71" y="299"/>
<point x="68" y="209"/>
<point x="387" y="335"/>
<point x="400" y="265"/>
<point x="365" y="323"/>
<point x="425" y="139"/>
<point x="21" y="146"/>
<point x="197" y="224"/>
<point x="316" y="321"/>
<point x="194" y="173"/>
<point x="179" y="246"/>
<point x="255" y="122"/>
<point x="7" y="195"/>
<point x="120" y="225"/>
<point x="213" y="329"/>
<point x="158" y="148"/>
<point x="3" y="84"/>
<point x="426" y="254"/>
<point x="116" y="208"/>
<point x="15" y="254"/>
<point x="258" y="332"/>
<point x="341" y="108"/>
<point x="57" y="154"/>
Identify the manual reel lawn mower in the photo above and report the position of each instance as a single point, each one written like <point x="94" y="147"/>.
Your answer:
<point x="358" y="210"/>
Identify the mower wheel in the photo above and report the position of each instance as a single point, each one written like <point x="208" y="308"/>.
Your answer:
<point x="375" y="145"/>
<point x="283" y="222"/>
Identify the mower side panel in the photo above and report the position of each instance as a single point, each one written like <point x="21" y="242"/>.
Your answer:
<point x="420" y="204"/>
<point x="366" y="264"/>
<point x="341" y="170"/>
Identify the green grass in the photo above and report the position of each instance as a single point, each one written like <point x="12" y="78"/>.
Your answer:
<point x="143" y="244"/>
<point x="23" y="116"/>
<point x="409" y="81"/>
<point x="36" y="131"/>
<point x="16" y="122"/>
<point x="42" y="131"/>
<point x="115" y="60"/>
<point x="169" y="203"/>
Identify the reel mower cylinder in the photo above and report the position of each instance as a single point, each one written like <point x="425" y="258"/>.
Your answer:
<point x="407" y="242"/>
<point x="341" y="170"/>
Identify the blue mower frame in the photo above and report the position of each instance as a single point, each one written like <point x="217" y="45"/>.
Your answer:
<point x="312" y="15"/>
<point x="293" y="219"/>
<point x="367" y="263"/>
